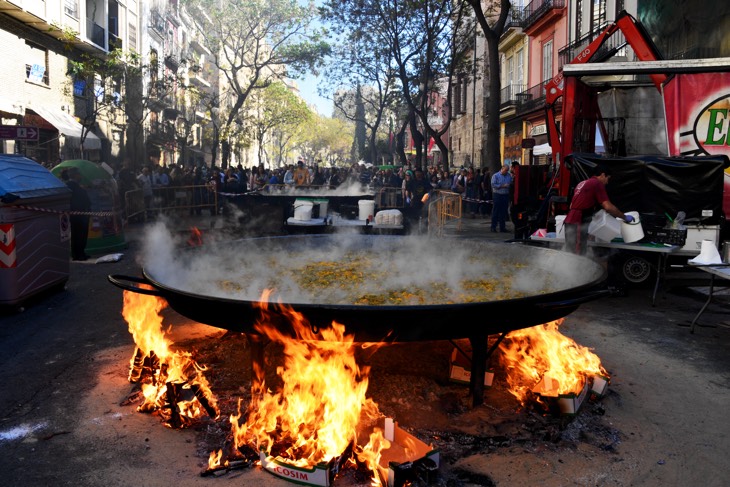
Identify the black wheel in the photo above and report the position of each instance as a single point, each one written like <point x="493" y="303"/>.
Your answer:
<point x="635" y="270"/>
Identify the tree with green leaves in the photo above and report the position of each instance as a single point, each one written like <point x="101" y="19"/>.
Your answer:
<point x="275" y="113"/>
<point x="358" y="144"/>
<point x="111" y="89"/>
<point x="359" y="60"/>
<point x="255" y="43"/>
<point x="418" y="45"/>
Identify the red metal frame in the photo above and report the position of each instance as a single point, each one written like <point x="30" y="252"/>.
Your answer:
<point x="578" y="99"/>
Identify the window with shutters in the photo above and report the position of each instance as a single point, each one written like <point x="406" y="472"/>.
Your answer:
<point x="71" y="8"/>
<point x="547" y="60"/>
<point x="464" y="91"/>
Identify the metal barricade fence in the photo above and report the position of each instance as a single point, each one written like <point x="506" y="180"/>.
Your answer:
<point x="389" y="198"/>
<point x="171" y="199"/>
<point x="444" y="206"/>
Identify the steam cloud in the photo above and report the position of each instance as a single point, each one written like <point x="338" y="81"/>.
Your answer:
<point x="241" y="269"/>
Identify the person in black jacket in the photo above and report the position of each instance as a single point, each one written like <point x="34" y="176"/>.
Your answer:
<point x="79" y="223"/>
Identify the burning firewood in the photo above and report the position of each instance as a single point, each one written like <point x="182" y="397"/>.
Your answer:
<point x="216" y="468"/>
<point x="171" y="382"/>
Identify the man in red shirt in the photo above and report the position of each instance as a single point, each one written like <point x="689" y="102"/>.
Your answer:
<point x="588" y="195"/>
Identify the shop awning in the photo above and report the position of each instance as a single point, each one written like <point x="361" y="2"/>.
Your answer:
<point x="8" y="105"/>
<point x="66" y="124"/>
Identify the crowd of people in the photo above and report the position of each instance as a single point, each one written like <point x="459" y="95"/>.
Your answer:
<point x="481" y="197"/>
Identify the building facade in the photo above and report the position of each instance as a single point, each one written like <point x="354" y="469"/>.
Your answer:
<point x="39" y="40"/>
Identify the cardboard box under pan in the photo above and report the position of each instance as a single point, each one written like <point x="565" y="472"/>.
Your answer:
<point x="406" y="455"/>
<point x="407" y="458"/>
<point x="569" y="404"/>
<point x="460" y="369"/>
<point x="564" y="404"/>
<point x="321" y="475"/>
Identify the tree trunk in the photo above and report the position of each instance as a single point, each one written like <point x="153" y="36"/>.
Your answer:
<point x="225" y="154"/>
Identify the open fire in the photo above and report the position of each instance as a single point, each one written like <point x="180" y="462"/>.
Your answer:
<point x="319" y="419"/>
<point x="171" y="383"/>
<point x="543" y="361"/>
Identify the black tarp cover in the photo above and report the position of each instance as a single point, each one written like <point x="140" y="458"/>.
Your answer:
<point x="659" y="185"/>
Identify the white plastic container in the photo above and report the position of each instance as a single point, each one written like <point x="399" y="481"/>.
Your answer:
<point x="303" y="210"/>
<point x="632" y="232"/>
<point x="560" y="227"/>
<point x="323" y="207"/>
<point x="604" y="227"/>
<point x="366" y="209"/>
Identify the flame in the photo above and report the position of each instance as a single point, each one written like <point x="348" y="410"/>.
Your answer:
<point x="543" y="355"/>
<point x="314" y="416"/>
<point x="196" y="237"/>
<point x="371" y="454"/>
<point x="214" y="460"/>
<point x="172" y="383"/>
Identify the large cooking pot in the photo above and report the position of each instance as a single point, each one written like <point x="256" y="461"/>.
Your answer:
<point x="221" y="285"/>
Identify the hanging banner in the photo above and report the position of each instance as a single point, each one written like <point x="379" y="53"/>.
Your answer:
<point x="697" y="108"/>
<point x="7" y="246"/>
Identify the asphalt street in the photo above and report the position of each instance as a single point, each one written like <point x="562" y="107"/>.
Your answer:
<point x="64" y="359"/>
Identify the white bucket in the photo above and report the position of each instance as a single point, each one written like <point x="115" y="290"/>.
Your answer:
<point x="367" y="209"/>
<point x="632" y="232"/>
<point x="323" y="207"/>
<point x="303" y="210"/>
<point x="560" y="227"/>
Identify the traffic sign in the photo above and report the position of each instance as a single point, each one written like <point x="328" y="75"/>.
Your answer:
<point x="18" y="132"/>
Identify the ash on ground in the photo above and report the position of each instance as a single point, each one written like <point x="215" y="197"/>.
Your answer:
<point x="410" y="383"/>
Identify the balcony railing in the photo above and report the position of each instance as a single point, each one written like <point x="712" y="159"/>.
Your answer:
<point x="532" y="98"/>
<point x="162" y="130"/>
<point x="514" y="19"/>
<point x="114" y="42"/>
<point x="537" y="8"/>
<point x="508" y="95"/>
<point x="95" y="33"/>
<point x="611" y="46"/>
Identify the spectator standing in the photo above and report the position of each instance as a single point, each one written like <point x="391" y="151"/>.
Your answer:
<point x="80" y="202"/>
<point x="145" y="182"/>
<point x="126" y="182"/>
<point x="301" y="175"/>
<point x="485" y="208"/>
<point x="500" y="193"/>
<point x="289" y="175"/>
<point x="471" y="191"/>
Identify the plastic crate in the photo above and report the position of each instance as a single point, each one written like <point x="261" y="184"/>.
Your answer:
<point x="671" y="236"/>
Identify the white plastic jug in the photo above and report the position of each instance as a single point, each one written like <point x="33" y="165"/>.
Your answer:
<point x="303" y="210"/>
<point x="366" y="209"/>
<point x="632" y="232"/>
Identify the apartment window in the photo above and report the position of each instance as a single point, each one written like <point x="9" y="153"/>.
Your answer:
<point x="464" y="91"/>
<point x="578" y="19"/>
<point x="71" y="8"/>
<point x="598" y="14"/>
<point x="547" y="60"/>
<point x="36" y="66"/>
<point x="456" y="98"/>
<point x="132" y="31"/>
<point x="510" y="71"/>
<point x="619" y="8"/>
<point x="520" y="68"/>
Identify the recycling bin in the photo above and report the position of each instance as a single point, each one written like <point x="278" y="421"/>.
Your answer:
<point x="35" y="231"/>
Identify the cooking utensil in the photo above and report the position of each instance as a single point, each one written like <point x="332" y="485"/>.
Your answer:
<point x="572" y="281"/>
